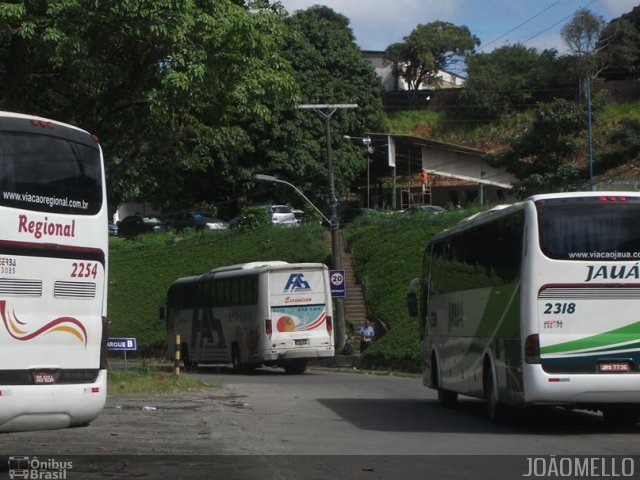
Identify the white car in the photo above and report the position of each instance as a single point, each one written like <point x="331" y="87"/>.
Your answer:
<point x="281" y="215"/>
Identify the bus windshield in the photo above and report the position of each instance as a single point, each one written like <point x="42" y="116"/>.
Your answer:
<point x="49" y="174"/>
<point x="590" y="228"/>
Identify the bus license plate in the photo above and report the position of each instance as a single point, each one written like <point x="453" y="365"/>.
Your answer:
<point x="43" y="378"/>
<point x="614" y="367"/>
<point x="301" y="342"/>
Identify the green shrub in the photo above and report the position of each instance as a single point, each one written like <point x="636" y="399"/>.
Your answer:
<point x="387" y="250"/>
<point x="253" y="217"/>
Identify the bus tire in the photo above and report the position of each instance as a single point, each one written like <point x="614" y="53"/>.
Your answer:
<point x="447" y="398"/>
<point x="621" y="415"/>
<point x="184" y="353"/>
<point x="295" y="367"/>
<point x="495" y="409"/>
<point x="235" y="358"/>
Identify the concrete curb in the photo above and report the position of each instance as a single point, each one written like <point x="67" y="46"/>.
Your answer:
<point x="338" y="361"/>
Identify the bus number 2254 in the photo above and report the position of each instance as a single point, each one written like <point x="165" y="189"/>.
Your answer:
<point x="84" y="270"/>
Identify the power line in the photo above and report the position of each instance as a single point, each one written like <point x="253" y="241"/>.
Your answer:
<point x="521" y="24"/>
<point x="557" y="23"/>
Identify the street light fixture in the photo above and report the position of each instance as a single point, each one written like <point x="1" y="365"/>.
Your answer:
<point x="269" y="178"/>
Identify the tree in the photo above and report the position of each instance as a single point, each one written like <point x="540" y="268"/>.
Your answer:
<point x="620" y="45"/>
<point x="429" y="49"/>
<point x="168" y="86"/>
<point x="582" y="35"/>
<point x="508" y="78"/>
<point x="329" y="68"/>
<point x="545" y="156"/>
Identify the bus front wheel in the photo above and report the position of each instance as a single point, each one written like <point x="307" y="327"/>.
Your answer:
<point x="448" y="398"/>
<point x="495" y="409"/>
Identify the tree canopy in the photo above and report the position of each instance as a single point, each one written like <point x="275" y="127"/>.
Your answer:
<point x="508" y="78"/>
<point x="329" y="69"/>
<point x="620" y="44"/>
<point x="429" y="49"/>
<point x="191" y="98"/>
<point x="582" y="35"/>
<point x="166" y="85"/>
<point x="545" y="156"/>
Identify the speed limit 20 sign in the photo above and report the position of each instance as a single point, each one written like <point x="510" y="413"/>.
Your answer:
<point x="336" y="280"/>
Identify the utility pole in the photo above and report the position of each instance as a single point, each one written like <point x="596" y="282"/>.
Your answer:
<point x="326" y="111"/>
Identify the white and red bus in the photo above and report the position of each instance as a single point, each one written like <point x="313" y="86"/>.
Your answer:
<point x="252" y="314"/>
<point x="53" y="275"/>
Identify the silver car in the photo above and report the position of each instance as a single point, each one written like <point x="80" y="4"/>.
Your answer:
<point x="281" y="215"/>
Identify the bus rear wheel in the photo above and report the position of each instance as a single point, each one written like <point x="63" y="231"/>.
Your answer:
<point x="295" y="367"/>
<point x="621" y="415"/>
<point x="235" y="359"/>
<point x="184" y="354"/>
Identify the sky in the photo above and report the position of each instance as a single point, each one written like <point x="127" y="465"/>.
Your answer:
<point x="377" y="24"/>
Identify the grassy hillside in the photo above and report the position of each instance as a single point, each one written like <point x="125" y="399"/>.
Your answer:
<point x="141" y="270"/>
<point x="491" y="136"/>
<point x="387" y="249"/>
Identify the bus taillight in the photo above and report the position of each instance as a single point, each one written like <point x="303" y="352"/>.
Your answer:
<point x="532" y="349"/>
<point x="268" y="328"/>
<point x="329" y="324"/>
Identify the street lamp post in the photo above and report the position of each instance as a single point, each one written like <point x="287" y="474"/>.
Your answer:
<point x="326" y="111"/>
<point x="268" y="178"/>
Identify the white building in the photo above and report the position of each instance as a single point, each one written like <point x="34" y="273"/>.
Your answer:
<point x="394" y="83"/>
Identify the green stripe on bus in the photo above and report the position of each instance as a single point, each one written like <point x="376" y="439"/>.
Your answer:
<point x="609" y="339"/>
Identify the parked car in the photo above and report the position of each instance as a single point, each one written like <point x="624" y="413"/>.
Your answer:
<point x="136" y="224"/>
<point x="298" y="214"/>
<point x="425" y="208"/>
<point x="195" y="219"/>
<point x="113" y="229"/>
<point x="281" y="215"/>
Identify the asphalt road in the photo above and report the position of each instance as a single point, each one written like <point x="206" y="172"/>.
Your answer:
<point x="317" y="425"/>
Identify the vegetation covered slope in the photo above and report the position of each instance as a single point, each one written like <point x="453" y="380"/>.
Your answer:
<point x="141" y="270"/>
<point x="387" y="249"/>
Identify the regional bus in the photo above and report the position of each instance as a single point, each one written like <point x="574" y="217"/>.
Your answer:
<point x="270" y="313"/>
<point x="53" y="275"/>
<point x="536" y="304"/>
